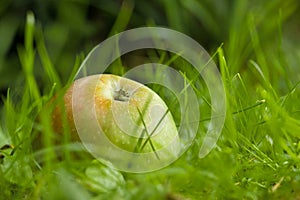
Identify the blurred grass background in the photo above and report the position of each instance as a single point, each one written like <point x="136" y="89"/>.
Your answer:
<point x="257" y="156"/>
<point x="73" y="27"/>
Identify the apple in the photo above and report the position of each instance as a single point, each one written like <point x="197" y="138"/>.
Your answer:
<point x="132" y="116"/>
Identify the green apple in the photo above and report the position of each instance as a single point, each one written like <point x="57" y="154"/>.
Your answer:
<point x="132" y="116"/>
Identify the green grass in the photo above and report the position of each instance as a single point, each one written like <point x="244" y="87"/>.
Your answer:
<point x="256" y="157"/>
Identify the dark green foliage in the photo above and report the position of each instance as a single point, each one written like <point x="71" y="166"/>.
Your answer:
<point x="256" y="46"/>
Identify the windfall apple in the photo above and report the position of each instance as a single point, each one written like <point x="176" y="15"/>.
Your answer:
<point x="131" y="115"/>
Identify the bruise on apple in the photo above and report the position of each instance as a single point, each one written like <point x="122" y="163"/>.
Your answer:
<point x="61" y="120"/>
<point x="62" y="116"/>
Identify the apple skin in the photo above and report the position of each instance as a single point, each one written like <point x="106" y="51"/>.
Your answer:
<point x="120" y="104"/>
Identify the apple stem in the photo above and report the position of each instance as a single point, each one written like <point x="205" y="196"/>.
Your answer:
<point x="121" y="95"/>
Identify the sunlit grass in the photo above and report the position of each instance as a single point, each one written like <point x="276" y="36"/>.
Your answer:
<point x="256" y="157"/>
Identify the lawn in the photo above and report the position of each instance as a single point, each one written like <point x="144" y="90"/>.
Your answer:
<point x="256" y="48"/>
